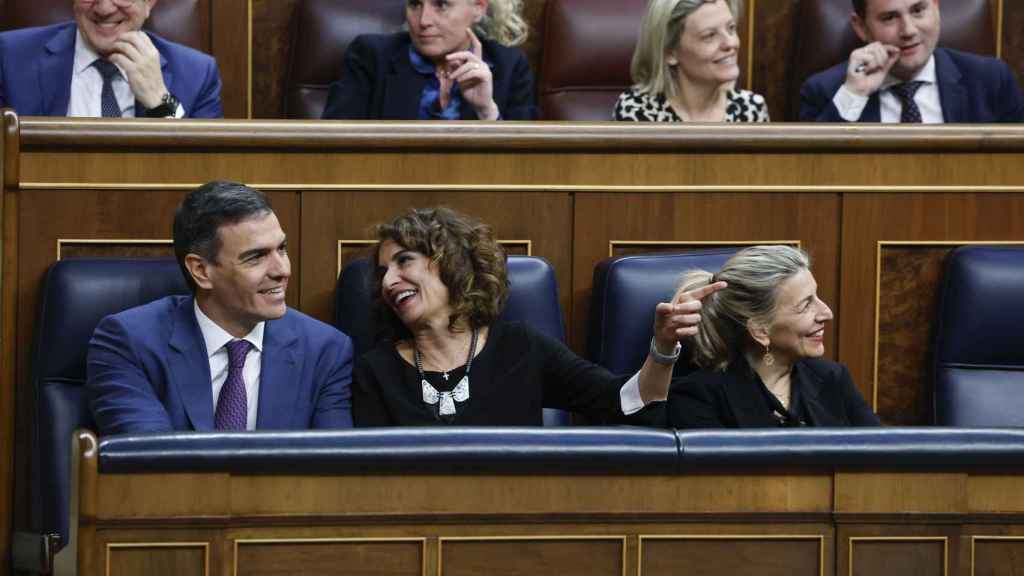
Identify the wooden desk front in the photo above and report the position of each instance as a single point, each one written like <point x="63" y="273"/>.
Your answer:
<point x="876" y="207"/>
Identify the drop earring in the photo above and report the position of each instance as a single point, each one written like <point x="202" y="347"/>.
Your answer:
<point x="768" y="359"/>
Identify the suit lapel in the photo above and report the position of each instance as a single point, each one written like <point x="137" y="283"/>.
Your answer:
<point x="55" y="70"/>
<point x="743" y="390"/>
<point x="278" y="377"/>
<point x="952" y="95"/>
<point x="809" y="383"/>
<point x="189" y="366"/>
<point x="402" y="88"/>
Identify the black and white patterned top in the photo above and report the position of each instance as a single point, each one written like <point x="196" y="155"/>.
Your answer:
<point x="635" y="106"/>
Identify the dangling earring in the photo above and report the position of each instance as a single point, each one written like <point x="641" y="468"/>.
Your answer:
<point x="768" y="359"/>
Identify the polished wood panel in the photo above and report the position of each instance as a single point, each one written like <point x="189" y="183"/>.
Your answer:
<point x="997" y="555"/>
<point x="898" y="557"/>
<point x="528" y="556"/>
<point x="232" y="47"/>
<point x="904" y="217"/>
<point x="908" y="282"/>
<point x="774" y="26"/>
<point x="1013" y="40"/>
<point x="601" y="218"/>
<point x="271" y="43"/>
<point x="543" y="218"/>
<point x="329" y="556"/>
<point x="157" y="560"/>
<point x="726" y="555"/>
<point x="9" y="164"/>
<point x="877" y="493"/>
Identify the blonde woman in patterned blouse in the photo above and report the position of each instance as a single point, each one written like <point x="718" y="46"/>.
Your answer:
<point x="685" y="66"/>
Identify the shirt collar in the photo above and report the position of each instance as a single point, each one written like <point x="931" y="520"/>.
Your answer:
<point x="216" y="337"/>
<point x="925" y="74"/>
<point x="85" y="55"/>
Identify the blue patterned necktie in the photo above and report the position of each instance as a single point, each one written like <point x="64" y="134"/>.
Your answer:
<point x="109" y="108"/>
<point x="232" y="406"/>
<point x="911" y="114"/>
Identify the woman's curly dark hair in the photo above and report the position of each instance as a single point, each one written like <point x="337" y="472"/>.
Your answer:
<point x="470" y="262"/>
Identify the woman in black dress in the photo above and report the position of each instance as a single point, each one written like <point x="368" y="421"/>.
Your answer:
<point x="439" y="288"/>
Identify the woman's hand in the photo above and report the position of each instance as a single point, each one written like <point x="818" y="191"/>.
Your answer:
<point x="680" y="318"/>
<point x="474" y="78"/>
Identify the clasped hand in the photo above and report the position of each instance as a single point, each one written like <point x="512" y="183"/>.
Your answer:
<point x="136" y="55"/>
<point x="474" y="78"/>
<point x="868" y="67"/>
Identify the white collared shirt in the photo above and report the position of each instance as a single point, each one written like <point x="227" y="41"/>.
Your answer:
<point x="850" y="105"/>
<point x="87" y="85"/>
<point x="216" y="339"/>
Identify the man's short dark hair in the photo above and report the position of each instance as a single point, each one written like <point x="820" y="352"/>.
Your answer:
<point x="204" y="210"/>
<point x="859" y="7"/>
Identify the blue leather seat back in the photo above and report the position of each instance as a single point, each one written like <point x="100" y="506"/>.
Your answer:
<point x="978" y="357"/>
<point x="533" y="298"/>
<point x="626" y="291"/>
<point x="76" y="294"/>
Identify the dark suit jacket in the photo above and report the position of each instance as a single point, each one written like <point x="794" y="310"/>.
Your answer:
<point x="378" y="82"/>
<point x="972" y="89"/>
<point x="148" y="371"/>
<point x="822" y="393"/>
<point x="36" y="65"/>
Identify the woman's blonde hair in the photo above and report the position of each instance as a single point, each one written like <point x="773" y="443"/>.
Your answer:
<point x="660" y="30"/>
<point x="503" y="23"/>
<point x="754" y="275"/>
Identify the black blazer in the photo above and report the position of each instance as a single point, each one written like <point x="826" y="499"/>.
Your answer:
<point x="972" y="89"/>
<point x="822" y="394"/>
<point x="519" y="372"/>
<point x="378" y="82"/>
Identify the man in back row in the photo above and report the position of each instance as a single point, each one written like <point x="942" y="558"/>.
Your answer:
<point x="232" y="356"/>
<point x="103" y="64"/>
<point x="900" y="75"/>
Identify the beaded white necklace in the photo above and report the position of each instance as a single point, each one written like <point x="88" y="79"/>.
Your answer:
<point x="447" y="399"/>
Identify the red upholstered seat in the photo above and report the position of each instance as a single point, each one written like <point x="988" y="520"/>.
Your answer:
<point x="321" y="32"/>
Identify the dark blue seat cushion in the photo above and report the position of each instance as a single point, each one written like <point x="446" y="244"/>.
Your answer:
<point x="562" y="450"/>
<point x="626" y="290"/>
<point x="76" y="294"/>
<point x="978" y="357"/>
<point x="831" y="449"/>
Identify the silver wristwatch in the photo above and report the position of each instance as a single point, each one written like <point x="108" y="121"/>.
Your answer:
<point x="666" y="359"/>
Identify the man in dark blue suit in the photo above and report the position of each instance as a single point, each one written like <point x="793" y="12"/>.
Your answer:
<point x="103" y="64"/>
<point x="900" y="75"/>
<point x="231" y="357"/>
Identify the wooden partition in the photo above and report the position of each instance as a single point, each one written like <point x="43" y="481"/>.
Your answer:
<point x="876" y="207"/>
<point x="785" y="523"/>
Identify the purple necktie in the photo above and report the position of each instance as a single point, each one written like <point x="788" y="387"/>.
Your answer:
<point x="232" y="406"/>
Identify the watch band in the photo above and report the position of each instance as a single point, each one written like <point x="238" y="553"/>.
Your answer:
<point x="168" y="107"/>
<point x="665" y="359"/>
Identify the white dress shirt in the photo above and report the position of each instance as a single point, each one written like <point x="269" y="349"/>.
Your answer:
<point x="629" y="395"/>
<point x="850" y="105"/>
<point x="216" y="339"/>
<point x="87" y="85"/>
